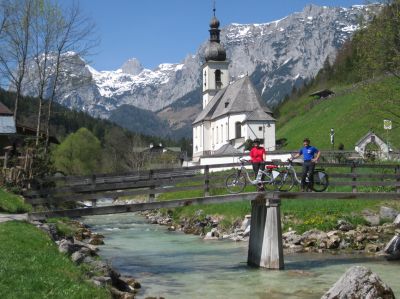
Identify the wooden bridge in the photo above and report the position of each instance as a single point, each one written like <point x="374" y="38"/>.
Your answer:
<point x="363" y="181"/>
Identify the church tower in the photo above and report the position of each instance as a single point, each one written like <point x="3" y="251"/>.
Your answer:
<point x="215" y="69"/>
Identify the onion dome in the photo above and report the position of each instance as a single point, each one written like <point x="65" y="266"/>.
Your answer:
<point x="215" y="51"/>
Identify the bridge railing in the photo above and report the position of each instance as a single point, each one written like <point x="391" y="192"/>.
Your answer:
<point x="199" y="180"/>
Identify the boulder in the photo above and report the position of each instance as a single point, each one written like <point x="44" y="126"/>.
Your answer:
<point x="388" y="213"/>
<point x="78" y="257"/>
<point x="344" y="226"/>
<point x="392" y="249"/>
<point x="246" y="222"/>
<point x="359" y="283"/>
<point x="68" y="247"/>
<point x="396" y="221"/>
<point x="371" y="217"/>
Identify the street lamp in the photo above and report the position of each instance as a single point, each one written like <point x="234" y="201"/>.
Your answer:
<point x="333" y="138"/>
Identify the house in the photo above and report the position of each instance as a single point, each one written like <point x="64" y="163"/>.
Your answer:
<point x="371" y="146"/>
<point x="8" y="129"/>
<point x="322" y="94"/>
<point x="232" y="112"/>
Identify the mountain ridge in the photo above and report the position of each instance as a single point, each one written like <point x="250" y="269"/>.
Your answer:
<point x="276" y="55"/>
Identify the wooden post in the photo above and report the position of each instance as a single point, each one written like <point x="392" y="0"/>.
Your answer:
<point x="93" y="181"/>
<point x="397" y="171"/>
<point x="207" y="181"/>
<point x="353" y="171"/>
<point x="265" y="244"/>
<point x="152" y="196"/>
<point x="5" y="160"/>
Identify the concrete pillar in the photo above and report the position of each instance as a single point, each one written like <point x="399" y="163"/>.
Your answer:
<point x="265" y="245"/>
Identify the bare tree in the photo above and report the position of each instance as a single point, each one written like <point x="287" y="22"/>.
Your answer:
<point x="74" y="33"/>
<point x="15" y="44"/>
<point x="3" y="17"/>
<point x="43" y="38"/>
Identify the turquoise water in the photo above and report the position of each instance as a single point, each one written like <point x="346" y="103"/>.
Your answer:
<point x="175" y="265"/>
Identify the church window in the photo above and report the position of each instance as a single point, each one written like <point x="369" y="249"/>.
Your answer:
<point x="216" y="138"/>
<point x="226" y="104"/>
<point x="260" y="128"/>
<point x="238" y="130"/>
<point x="218" y="81"/>
<point x="222" y="133"/>
<point x="227" y="131"/>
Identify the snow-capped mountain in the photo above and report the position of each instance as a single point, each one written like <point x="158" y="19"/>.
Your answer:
<point x="276" y="55"/>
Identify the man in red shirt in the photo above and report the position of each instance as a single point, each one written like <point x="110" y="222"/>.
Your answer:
<point x="257" y="155"/>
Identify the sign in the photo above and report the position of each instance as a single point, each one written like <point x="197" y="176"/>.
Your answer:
<point x="387" y="124"/>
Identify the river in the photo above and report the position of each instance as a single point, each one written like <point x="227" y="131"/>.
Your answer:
<point x="179" y="266"/>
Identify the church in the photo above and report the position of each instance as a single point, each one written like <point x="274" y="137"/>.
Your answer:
<point x="233" y="112"/>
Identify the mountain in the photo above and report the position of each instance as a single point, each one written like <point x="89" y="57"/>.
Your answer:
<point x="276" y="55"/>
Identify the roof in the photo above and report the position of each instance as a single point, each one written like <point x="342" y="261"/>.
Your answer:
<point x="226" y="149"/>
<point x="4" y="110"/>
<point x="239" y="97"/>
<point x="7" y="125"/>
<point x="322" y="93"/>
<point x="29" y="131"/>
<point x="368" y="135"/>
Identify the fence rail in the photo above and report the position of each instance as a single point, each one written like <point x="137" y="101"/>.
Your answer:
<point x="200" y="179"/>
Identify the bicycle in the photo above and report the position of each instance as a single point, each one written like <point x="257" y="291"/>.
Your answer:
<point x="288" y="178"/>
<point x="236" y="182"/>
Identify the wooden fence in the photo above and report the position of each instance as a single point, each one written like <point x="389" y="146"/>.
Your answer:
<point x="201" y="181"/>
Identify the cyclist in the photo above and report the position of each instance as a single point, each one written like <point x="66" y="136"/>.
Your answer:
<point x="310" y="156"/>
<point x="257" y="156"/>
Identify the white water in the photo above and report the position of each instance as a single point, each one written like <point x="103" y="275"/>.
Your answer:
<point x="175" y="265"/>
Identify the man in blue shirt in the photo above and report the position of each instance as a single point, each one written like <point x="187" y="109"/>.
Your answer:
<point x="310" y="156"/>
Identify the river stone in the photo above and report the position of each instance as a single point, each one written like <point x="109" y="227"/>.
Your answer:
<point x="246" y="223"/>
<point x="333" y="242"/>
<point x="371" y="217"/>
<point x="117" y="294"/>
<point x="66" y="246"/>
<point x="397" y="221"/>
<point x="388" y="213"/>
<point x="78" y="257"/>
<point x="359" y="283"/>
<point x="393" y="248"/>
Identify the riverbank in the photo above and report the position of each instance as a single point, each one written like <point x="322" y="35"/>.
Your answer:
<point x="32" y="267"/>
<point x="369" y="238"/>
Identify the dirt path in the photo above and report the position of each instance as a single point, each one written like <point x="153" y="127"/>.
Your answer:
<point x="10" y="217"/>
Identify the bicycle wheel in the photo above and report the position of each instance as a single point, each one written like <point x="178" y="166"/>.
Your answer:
<point x="321" y="181"/>
<point x="284" y="181"/>
<point x="235" y="182"/>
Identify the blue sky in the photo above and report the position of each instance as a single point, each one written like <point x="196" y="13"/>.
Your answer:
<point x="165" y="31"/>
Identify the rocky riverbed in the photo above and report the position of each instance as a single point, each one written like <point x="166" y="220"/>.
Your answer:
<point x="82" y="248"/>
<point x="372" y="238"/>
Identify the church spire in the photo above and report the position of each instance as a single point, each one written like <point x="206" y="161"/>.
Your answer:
<point x="215" y="51"/>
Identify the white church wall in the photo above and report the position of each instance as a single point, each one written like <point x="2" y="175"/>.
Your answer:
<point x="233" y="119"/>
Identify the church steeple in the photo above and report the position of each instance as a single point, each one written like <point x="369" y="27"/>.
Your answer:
<point x="215" y="51"/>
<point x="215" y="69"/>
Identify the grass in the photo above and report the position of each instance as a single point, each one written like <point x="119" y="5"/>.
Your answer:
<point x="11" y="203"/>
<point x="31" y="267"/>
<point x="351" y="114"/>
<point x="299" y="215"/>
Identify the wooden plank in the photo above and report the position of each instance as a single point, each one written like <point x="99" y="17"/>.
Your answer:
<point x="365" y="183"/>
<point x="211" y="200"/>
<point x="363" y="175"/>
<point x="112" y="195"/>
<point x="340" y="195"/>
<point x="143" y="206"/>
